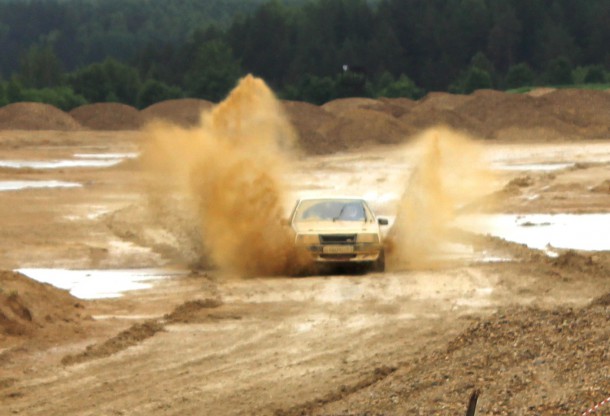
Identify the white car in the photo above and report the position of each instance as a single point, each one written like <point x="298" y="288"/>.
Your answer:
<point x="339" y="231"/>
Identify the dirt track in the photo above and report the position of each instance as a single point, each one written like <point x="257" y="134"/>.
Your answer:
<point x="319" y="344"/>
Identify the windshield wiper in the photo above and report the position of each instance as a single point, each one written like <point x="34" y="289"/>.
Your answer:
<point x="340" y="213"/>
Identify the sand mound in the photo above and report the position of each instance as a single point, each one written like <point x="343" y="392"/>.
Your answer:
<point x="35" y="116"/>
<point x="192" y="311"/>
<point x="539" y="92"/>
<point x="108" y="116"/>
<point x="359" y="127"/>
<point x="307" y="119"/>
<point x="424" y="117"/>
<point x="342" y="105"/>
<point x="436" y="109"/>
<point x="28" y="307"/>
<point x="397" y="106"/>
<point x="544" y="114"/>
<point x="603" y="300"/>
<point x="579" y="262"/>
<point x="511" y="116"/>
<point x="517" y="358"/>
<point x="392" y="106"/>
<point x="602" y="188"/>
<point x="185" y="112"/>
<point x="443" y="101"/>
<point x="521" y="182"/>
<point x="130" y="337"/>
<point x="188" y="312"/>
<point x="587" y="110"/>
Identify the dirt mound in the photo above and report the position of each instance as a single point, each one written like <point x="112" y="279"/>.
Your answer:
<point x="500" y="110"/>
<point x="28" y="308"/>
<point x="360" y="127"/>
<point x="514" y="116"/>
<point x="190" y="311"/>
<point x="342" y="105"/>
<point x="521" y="182"/>
<point x="586" y="110"/>
<point x="539" y="92"/>
<point x="185" y="112"/>
<point x="579" y="262"/>
<point x="518" y="359"/>
<point x="108" y="116"/>
<point x="438" y="108"/>
<point x="35" y="116"/>
<point x="602" y="188"/>
<point x="603" y="300"/>
<point x="392" y="106"/>
<point x="130" y="337"/>
<point x="397" y="106"/>
<point x="423" y="117"/>
<point x="443" y="101"/>
<point x="307" y="119"/>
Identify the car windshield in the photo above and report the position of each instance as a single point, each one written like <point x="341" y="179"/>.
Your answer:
<point x="331" y="210"/>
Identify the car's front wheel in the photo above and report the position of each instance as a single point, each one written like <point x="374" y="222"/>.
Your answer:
<point x="379" y="264"/>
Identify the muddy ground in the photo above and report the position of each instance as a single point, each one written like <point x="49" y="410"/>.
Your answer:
<point x="528" y="330"/>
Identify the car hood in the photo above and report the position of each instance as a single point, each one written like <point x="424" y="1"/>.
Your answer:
<point x="336" y="227"/>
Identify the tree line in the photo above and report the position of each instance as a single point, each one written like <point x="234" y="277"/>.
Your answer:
<point x="138" y="52"/>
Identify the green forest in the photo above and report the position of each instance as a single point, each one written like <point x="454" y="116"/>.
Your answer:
<point x="138" y="52"/>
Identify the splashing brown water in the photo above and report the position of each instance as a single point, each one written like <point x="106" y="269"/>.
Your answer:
<point x="449" y="173"/>
<point x="228" y="172"/>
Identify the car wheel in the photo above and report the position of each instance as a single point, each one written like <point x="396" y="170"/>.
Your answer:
<point x="379" y="265"/>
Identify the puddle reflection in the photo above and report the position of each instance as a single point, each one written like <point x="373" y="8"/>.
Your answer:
<point x="588" y="232"/>
<point x="59" y="164"/>
<point x="20" y="185"/>
<point x="100" y="284"/>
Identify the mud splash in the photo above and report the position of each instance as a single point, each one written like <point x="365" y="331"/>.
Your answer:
<point x="227" y="175"/>
<point x="450" y="172"/>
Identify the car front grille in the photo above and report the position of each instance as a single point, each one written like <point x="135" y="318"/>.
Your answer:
<point x="339" y="257"/>
<point x="338" y="238"/>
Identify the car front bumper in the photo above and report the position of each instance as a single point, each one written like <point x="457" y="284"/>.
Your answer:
<point x="360" y="252"/>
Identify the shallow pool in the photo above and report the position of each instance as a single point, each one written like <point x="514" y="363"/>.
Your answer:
<point x="589" y="232"/>
<point x="59" y="164"/>
<point x="20" y="185"/>
<point x="127" y="155"/>
<point x="80" y="160"/>
<point x="99" y="284"/>
<point x="533" y="167"/>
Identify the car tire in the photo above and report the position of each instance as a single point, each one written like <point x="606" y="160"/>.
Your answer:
<point x="379" y="264"/>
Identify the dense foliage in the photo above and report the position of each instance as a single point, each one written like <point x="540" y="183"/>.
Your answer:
<point x="141" y="51"/>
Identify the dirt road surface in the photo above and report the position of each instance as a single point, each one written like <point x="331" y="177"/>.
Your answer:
<point x="209" y="343"/>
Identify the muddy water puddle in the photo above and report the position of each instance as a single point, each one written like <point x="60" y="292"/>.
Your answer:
<point x="126" y="155"/>
<point x="100" y="284"/>
<point x="533" y="167"/>
<point x="588" y="232"/>
<point x="79" y="160"/>
<point x="59" y="164"/>
<point x="21" y="185"/>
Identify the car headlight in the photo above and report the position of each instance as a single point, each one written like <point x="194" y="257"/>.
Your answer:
<point x="367" y="238"/>
<point x="308" y="239"/>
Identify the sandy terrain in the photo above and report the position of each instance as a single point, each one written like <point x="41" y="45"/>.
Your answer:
<point x="500" y="317"/>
